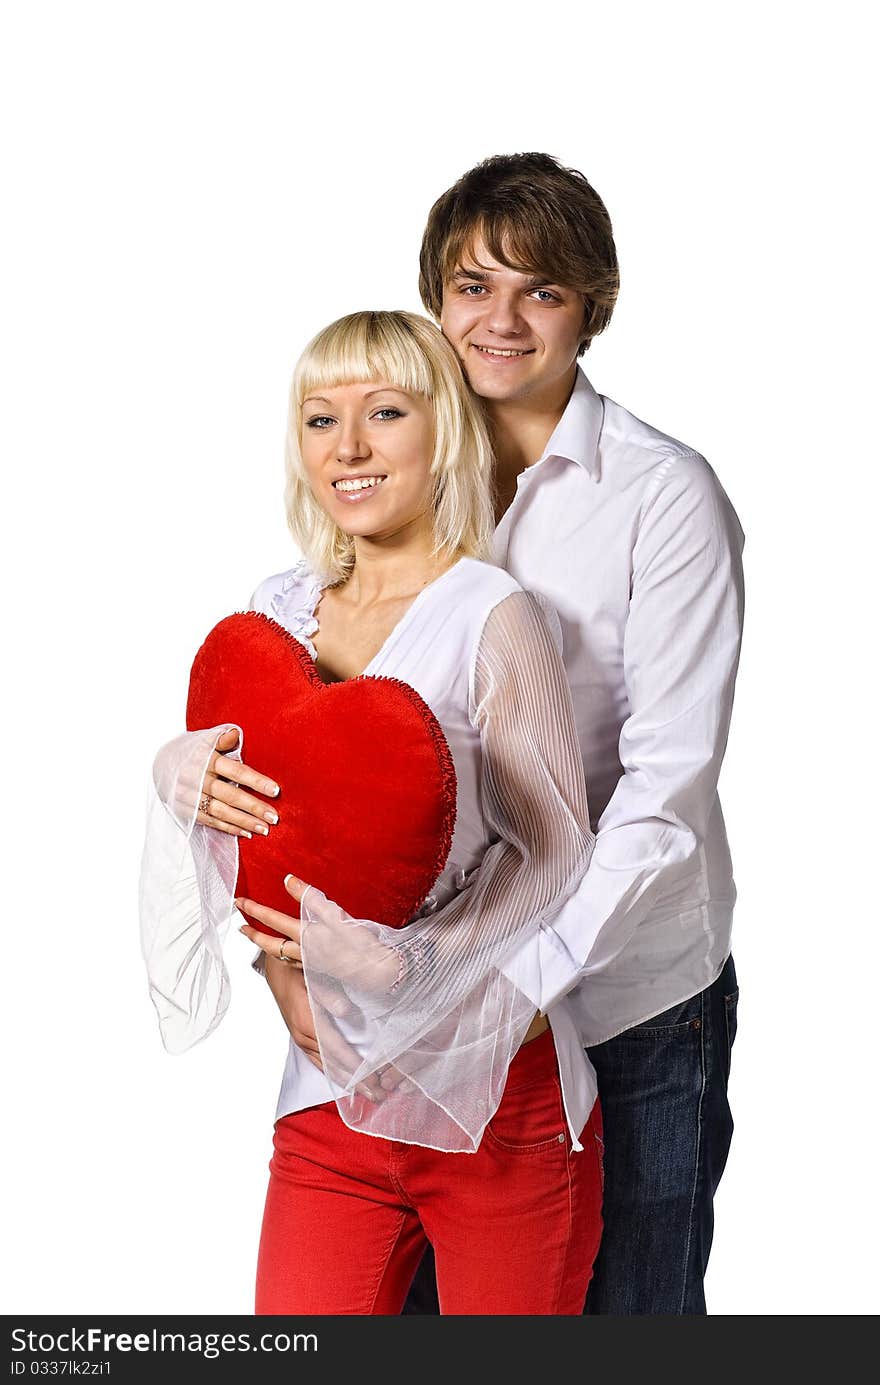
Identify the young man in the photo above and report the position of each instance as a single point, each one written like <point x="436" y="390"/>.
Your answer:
<point x="636" y="545"/>
<point x="630" y="536"/>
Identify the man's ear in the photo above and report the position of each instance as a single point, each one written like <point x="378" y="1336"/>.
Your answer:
<point x="584" y="343"/>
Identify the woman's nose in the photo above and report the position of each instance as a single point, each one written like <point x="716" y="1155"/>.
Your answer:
<point x="351" y="447"/>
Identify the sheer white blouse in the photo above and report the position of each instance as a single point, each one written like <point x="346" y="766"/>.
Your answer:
<point x="484" y="656"/>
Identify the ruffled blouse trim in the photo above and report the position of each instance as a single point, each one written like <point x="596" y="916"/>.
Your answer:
<point x="295" y="604"/>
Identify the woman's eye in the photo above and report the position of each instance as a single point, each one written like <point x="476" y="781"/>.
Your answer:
<point x="387" y="413"/>
<point x="319" y="421"/>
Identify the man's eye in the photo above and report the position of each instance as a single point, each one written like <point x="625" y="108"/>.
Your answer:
<point x="545" y="296"/>
<point x="473" y="290"/>
<point x="319" y="421"/>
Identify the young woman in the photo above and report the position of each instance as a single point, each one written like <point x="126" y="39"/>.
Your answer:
<point x="440" y="1106"/>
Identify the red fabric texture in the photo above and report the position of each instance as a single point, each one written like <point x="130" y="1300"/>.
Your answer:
<point x="367" y="803"/>
<point x="515" y="1227"/>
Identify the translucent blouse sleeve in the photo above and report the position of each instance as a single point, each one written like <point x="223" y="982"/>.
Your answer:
<point x="426" y="1007"/>
<point x="187" y="887"/>
<point x="188" y="870"/>
<point x="186" y="892"/>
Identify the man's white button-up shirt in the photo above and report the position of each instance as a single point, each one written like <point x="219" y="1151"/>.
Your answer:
<point x="630" y="536"/>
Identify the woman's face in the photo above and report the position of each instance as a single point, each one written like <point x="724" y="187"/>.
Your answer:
<point x="367" y="450"/>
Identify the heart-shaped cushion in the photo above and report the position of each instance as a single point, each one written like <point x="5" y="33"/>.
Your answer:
<point x="367" y="803"/>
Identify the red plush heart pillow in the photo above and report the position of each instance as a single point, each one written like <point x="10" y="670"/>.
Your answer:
<point x="367" y="802"/>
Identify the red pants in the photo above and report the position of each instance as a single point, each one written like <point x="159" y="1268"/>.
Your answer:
<point x="515" y="1227"/>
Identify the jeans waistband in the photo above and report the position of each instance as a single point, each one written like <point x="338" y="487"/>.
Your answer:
<point x="533" y="1062"/>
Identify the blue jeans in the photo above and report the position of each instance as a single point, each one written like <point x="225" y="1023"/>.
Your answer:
<point x="663" y="1089"/>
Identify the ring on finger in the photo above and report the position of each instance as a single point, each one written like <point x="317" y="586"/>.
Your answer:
<point x="205" y="804"/>
<point x="281" y="957"/>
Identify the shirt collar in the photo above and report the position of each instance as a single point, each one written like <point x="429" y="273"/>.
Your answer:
<point x="576" y="435"/>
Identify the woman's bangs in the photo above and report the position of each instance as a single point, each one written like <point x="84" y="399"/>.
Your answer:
<point x="360" y="349"/>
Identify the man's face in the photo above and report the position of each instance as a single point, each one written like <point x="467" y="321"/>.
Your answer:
<point x="517" y="335"/>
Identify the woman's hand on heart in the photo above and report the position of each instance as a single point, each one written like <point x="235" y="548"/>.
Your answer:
<point x="287" y="984"/>
<point x="284" y="949"/>
<point x="347" y="949"/>
<point x="224" y="802"/>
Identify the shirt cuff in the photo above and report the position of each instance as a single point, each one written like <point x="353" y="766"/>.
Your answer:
<point x="543" y="969"/>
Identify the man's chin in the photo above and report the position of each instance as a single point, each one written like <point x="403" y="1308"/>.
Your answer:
<point x="489" y="384"/>
<point x="498" y="391"/>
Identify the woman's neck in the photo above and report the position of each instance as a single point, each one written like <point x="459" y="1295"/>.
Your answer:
<point x="390" y="572"/>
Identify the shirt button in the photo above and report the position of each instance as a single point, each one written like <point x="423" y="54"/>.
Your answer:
<point x="561" y="1138"/>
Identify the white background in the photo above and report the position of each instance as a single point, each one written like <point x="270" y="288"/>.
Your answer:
<point x="192" y="190"/>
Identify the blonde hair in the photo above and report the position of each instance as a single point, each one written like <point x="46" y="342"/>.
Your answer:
<point x="410" y="352"/>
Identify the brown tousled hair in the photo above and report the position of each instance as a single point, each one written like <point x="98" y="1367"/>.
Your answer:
<point x="534" y="216"/>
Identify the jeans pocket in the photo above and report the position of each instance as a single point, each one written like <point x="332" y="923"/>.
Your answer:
<point x="680" y="1020"/>
<point x="730" y="1018"/>
<point x="530" y="1119"/>
<point x="600" y="1156"/>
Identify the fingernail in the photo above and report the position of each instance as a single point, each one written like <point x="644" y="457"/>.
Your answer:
<point x="242" y="833"/>
<point x="264" y="831"/>
<point x="273" y="790"/>
<point x="270" y="816"/>
<point x="289" y="877"/>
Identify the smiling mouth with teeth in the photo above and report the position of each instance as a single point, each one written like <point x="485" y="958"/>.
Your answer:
<point x="357" y="483"/>
<point x="495" y="351"/>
